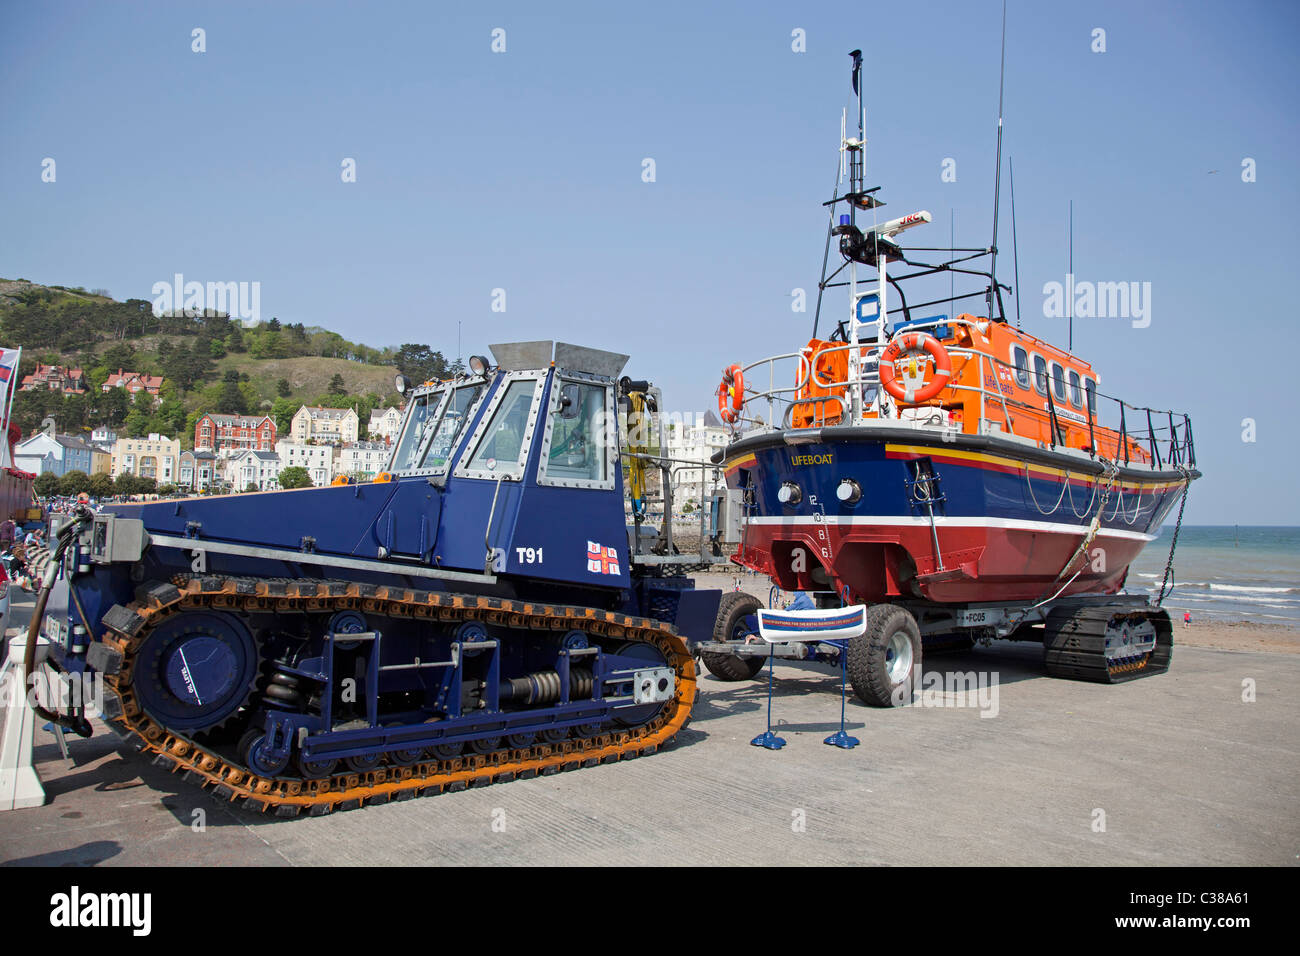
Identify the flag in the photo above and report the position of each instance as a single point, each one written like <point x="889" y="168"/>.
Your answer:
<point x="857" y="68"/>
<point x="601" y="559"/>
<point x="8" y="372"/>
<point x="8" y="364"/>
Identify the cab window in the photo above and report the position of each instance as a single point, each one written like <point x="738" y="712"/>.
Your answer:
<point x="578" y="450"/>
<point x="451" y="427"/>
<point x="1090" y="389"/>
<point x="1020" y="359"/>
<point x="502" y="446"/>
<point x="1076" y="393"/>
<point x="417" y="421"/>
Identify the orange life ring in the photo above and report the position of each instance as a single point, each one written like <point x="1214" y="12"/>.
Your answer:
<point x="731" y="394"/>
<point x="910" y="342"/>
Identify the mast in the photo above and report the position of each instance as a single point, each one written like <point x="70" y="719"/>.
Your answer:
<point x="997" y="176"/>
<point x="857" y="160"/>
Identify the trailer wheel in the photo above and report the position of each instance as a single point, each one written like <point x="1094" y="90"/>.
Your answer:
<point x="884" y="662"/>
<point x="730" y="625"/>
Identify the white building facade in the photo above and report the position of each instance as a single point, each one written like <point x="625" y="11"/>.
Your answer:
<point x="362" y="460"/>
<point x="255" y="469"/>
<point x="334" y="426"/>
<point x="384" y="424"/>
<point x="697" y="441"/>
<point x="156" y="457"/>
<point x="317" y="459"/>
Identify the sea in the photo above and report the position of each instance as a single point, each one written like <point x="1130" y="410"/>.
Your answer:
<point x="1226" y="573"/>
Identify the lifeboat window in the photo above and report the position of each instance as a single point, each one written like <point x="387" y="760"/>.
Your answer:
<point x="1090" y="387"/>
<point x="1021" y="360"/>
<point x="1058" y="381"/>
<point x="1040" y="374"/>
<point x="1076" y="393"/>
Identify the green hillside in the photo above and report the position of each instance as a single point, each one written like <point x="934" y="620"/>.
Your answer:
<point x="209" y="363"/>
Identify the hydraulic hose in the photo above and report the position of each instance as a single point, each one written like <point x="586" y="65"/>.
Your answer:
<point x="77" y="723"/>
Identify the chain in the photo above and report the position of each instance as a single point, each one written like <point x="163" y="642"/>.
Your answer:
<point x="1169" y="565"/>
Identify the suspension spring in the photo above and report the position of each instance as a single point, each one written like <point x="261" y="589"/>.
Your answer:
<point x="282" y="688"/>
<point x="543" y="687"/>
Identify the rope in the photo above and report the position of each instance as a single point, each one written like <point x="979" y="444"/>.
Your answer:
<point x="1109" y="475"/>
<point x="1034" y="498"/>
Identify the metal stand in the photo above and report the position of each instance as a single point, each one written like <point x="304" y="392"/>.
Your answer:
<point x="840" y="738"/>
<point x="20" y="787"/>
<point x="768" y="739"/>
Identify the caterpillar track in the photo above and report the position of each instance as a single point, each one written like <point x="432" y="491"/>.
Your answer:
<point x="1107" y="644"/>
<point x="129" y="626"/>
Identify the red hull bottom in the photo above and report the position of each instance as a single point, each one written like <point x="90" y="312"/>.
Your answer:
<point x="979" y="562"/>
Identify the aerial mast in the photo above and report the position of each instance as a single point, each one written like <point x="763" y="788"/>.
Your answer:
<point x="997" y="176"/>
<point x="855" y="151"/>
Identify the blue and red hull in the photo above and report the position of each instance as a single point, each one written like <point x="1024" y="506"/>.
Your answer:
<point x="1008" y="518"/>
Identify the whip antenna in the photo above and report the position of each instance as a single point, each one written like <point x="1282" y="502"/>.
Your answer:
<point x="1015" y="246"/>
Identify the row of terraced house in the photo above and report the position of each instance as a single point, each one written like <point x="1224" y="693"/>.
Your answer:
<point x="231" y="452"/>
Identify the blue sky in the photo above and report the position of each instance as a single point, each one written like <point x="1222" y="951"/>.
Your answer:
<point x="522" y="170"/>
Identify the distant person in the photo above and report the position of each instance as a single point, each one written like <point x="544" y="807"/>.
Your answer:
<point x="802" y="602"/>
<point x="7" y="530"/>
<point x="1187" y="619"/>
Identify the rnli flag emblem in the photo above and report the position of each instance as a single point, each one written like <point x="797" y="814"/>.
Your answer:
<point x="601" y="559"/>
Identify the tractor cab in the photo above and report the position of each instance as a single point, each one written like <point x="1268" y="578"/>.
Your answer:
<point x="506" y="449"/>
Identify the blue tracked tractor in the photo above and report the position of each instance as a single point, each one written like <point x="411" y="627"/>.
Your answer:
<point x="475" y="614"/>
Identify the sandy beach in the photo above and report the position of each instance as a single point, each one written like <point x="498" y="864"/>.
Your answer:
<point x="1220" y="635"/>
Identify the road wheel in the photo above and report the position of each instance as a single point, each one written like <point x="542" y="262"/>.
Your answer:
<point x="730" y="625"/>
<point x="885" y="661"/>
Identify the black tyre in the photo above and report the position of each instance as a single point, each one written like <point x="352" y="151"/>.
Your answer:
<point x="730" y="625"/>
<point x="885" y="662"/>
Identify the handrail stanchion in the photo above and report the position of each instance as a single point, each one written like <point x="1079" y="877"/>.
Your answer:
<point x="1151" y="440"/>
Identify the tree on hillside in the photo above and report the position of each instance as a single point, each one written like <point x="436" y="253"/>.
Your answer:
<point x="112" y="407"/>
<point x="232" y="400"/>
<point x="268" y="345"/>
<point x="336" y="385"/>
<point x="235" y="338"/>
<point x="282" y="388"/>
<point x="137" y="423"/>
<point x="295" y="476"/>
<point x="283" y="410"/>
<point x="120" y="356"/>
<point x="420" y="363"/>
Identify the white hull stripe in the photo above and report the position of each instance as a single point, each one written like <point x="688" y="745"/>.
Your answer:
<point x="941" y="521"/>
